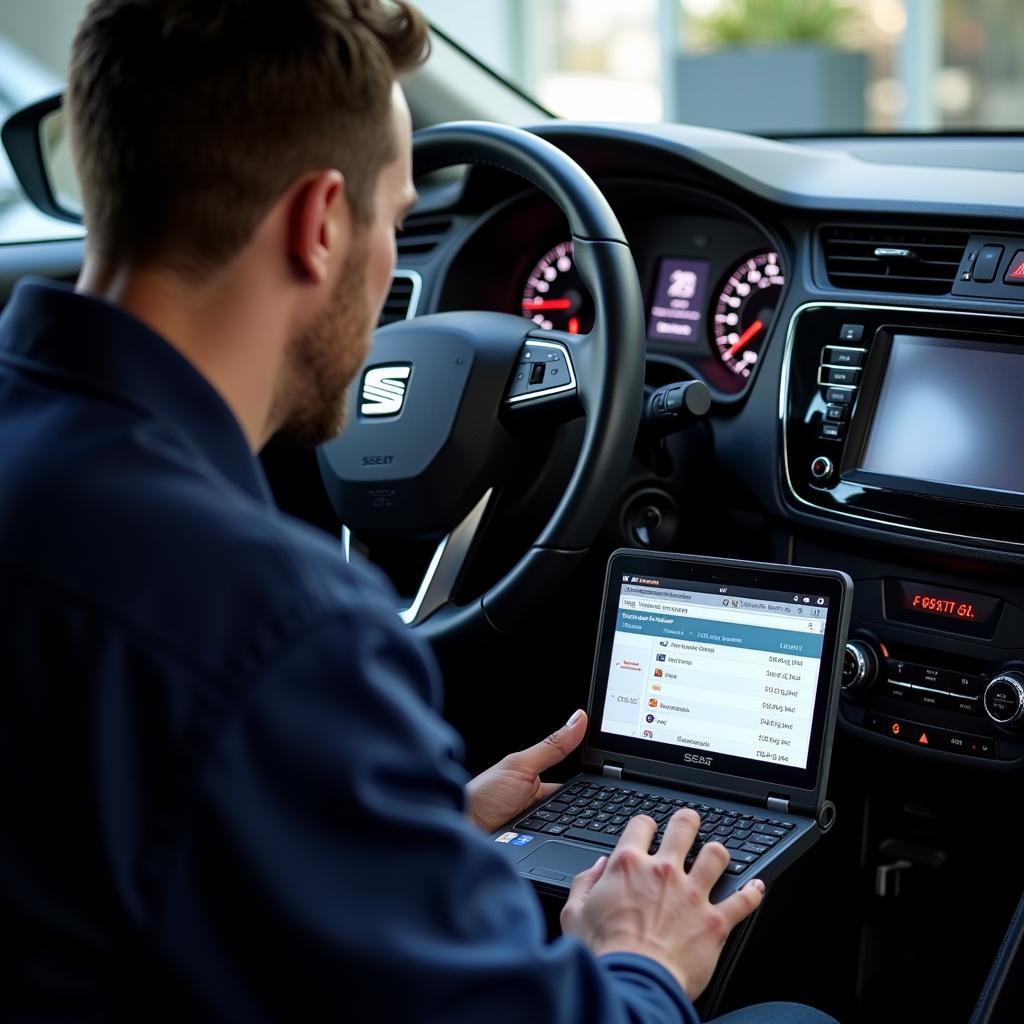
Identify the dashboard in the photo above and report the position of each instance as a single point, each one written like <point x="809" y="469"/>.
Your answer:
<point x="712" y="275"/>
<point x="860" y="328"/>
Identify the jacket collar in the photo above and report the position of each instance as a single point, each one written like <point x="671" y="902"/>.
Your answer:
<point x="94" y="345"/>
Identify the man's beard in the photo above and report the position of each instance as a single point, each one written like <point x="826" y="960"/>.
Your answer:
<point x="322" y="361"/>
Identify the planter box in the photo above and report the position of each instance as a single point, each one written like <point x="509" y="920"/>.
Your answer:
<point x="767" y="90"/>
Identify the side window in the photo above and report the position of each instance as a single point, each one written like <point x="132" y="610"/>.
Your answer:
<point x="35" y="40"/>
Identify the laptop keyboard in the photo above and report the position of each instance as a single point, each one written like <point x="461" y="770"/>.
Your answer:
<point x="598" y="814"/>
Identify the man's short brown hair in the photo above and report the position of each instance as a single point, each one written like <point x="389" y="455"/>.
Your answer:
<point x="190" y="118"/>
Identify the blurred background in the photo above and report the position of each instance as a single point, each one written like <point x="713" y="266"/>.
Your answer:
<point x="784" y="68"/>
<point x="777" y="67"/>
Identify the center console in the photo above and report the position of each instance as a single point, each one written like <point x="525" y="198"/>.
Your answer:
<point x="907" y="418"/>
<point x="911" y="420"/>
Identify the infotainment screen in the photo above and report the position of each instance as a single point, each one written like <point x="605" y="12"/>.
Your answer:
<point x="678" y="302"/>
<point x="950" y="412"/>
<point x="726" y="670"/>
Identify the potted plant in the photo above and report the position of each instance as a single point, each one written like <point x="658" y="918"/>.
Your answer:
<point x="772" y="66"/>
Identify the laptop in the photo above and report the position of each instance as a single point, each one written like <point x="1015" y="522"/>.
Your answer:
<point x="715" y="687"/>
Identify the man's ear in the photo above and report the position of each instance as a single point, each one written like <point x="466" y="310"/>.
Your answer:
<point x="319" y="225"/>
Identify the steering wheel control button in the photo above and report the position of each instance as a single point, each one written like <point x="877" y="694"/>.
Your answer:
<point x="851" y="332"/>
<point x="1004" y="699"/>
<point x="837" y="355"/>
<point x="543" y="369"/>
<point x="987" y="263"/>
<point x="839" y="396"/>
<point x="1015" y="271"/>
<point x="822" y="468"/>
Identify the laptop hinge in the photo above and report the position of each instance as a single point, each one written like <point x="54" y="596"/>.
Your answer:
<point x="778" y="803"/>
<point x="611" y="771"/>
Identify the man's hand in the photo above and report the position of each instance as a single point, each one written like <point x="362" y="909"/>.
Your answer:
<point x="635" y="902"/>
<point x="513" y="784"/>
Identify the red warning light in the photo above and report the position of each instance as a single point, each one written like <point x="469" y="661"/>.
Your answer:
<point x="923" y="739"/>
<point x="1016" y="272"/>
<point x="895" y="727"/>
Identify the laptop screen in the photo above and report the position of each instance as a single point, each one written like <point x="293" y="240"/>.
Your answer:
<point x="717" y="674"/>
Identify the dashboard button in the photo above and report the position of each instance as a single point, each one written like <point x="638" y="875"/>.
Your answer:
<point x="832" y="431"/>
<point x="987" y="263"/>
<point x="840" y="375"/>
<point x="836" y="413"/>
<point x="986" y="747"/>
<point x="962" y="705"/>
<point x="838" y="356"/>
<point x="926" y="736"/>
<point x="851" y="332"/>
<point x="821" y="468"/>
<point x="898" y="691"/>
<point x="965" y="685"/>
<point x="957" y="742"/>
<point x="876" y="722"/>
<point x="929" y="698"/>
<point x="1015" y="271"/>
<point x="896" y="670"/>
<point x="934" y="678"/>
<point x="839" y="396"/>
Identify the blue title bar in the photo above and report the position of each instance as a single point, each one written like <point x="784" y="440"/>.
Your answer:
<point x="722" y="634"/>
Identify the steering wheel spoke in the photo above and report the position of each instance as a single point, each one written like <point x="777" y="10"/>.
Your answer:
<point x="544" y="378"/>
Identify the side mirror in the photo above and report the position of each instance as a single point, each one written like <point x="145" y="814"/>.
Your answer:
<point x="37" y="143"/>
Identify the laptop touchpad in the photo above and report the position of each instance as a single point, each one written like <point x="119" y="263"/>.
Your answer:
<point x="558" y="859"/>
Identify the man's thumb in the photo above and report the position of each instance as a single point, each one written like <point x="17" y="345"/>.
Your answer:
<point x="559" y="745"/>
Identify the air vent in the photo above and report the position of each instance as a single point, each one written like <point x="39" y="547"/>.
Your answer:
<point x="919" y="261"/>
<point x="421" y="235"/>
<point x="402" y="299"/>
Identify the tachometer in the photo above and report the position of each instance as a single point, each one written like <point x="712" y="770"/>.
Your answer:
<point x="745" y="309"/>
<point x="554" y="297"/>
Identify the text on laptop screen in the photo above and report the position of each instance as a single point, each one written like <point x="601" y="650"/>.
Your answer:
<point x="728" y="670"/>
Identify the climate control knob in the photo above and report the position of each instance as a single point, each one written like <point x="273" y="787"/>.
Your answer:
<point x="1004" y="699"/>
<point x="860" y="666"/>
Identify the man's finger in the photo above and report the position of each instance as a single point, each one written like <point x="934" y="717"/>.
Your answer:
<point x="709" y="865"/>
<point x="680" y="832"/>
<point x="585" y="880"/>
<point x="556" y="747"/>
<point x="742" y="903"/>
<point x="638" y="833"/>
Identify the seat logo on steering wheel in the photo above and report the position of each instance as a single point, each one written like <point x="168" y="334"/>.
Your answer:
<point x="384" y="389"/>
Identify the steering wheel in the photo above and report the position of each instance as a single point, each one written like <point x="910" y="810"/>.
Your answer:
<point x="443" y="400"/>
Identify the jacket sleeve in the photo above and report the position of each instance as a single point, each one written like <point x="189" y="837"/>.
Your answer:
<point x="327" y="871"/>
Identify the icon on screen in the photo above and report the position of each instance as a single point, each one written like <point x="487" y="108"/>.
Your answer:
<point x="662" y="657"/>
<point x="807" y="600"/>
<point x="650" y="718"/>
<point x="648" y="735"/>
<point x="653" y="702"/>
<point x="821" y="600"/>
<point x="658" y="673"/>
<point x="663" y="643"/>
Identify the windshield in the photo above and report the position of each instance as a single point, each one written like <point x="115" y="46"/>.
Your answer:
<point x="772" y="67"/>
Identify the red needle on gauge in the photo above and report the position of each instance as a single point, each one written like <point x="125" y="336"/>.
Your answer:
<point x="547" y="304"/>
<point x="745" y="338"/>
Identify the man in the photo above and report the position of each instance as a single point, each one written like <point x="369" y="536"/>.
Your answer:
<point x="227" y="793"/>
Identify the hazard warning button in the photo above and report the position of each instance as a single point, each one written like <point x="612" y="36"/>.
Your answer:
<point x="1015" y="271"/>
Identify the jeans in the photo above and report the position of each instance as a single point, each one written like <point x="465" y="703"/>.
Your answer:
<point x="775" y="1013"/>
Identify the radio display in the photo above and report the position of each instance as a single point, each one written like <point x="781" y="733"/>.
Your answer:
<point x="677" y="306"/>
<point x="950" y="412"/>
<point x="940" y="607"/>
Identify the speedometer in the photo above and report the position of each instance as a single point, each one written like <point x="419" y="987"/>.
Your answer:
<point x="554" y="296"/>
<point x="745" y="309"/>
